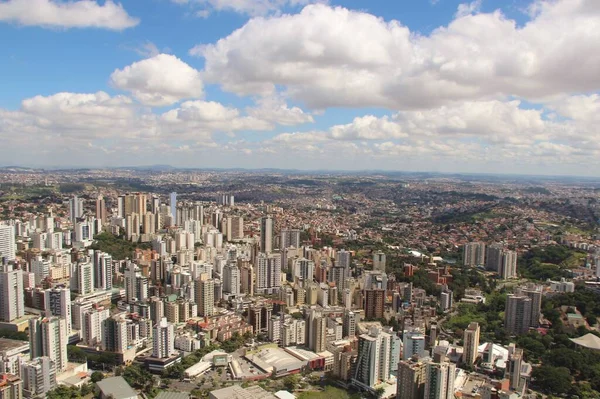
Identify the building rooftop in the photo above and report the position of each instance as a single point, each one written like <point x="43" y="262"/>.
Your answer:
<point x="117" y="387"/>
<point x="237" y="392"/>
<point x="589" y="341"/>
<point x="173" y="395"/>
<point x="11" y="344"/>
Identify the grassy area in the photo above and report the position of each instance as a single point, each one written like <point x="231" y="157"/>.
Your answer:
<point x="551" y="262"/>
<point x="328" y="393"/>
<point x="117" y="247"/>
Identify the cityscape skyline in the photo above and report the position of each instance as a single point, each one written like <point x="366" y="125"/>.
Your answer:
<point x="481" y="86"/>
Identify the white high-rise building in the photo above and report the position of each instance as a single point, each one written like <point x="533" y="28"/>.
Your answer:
<point x="92" y="331"/>
<point x="75" y="208"/>
<point x="373" y="362"/>
<point x="54" y="240"/>
<point x="103" y="271"/>
<point x="136" y="285"/>
<point x="268" y="273"/>
<point x="439" y="380"/>
<point x="12" y="304"/>
<point x="48" y="337"/>
<point x="303" y="268"/>
<point x="164" y="339"/>
<point x="39" y="240"/>
<point x="474" y="254"/>
<point x="509" y="265"/>
<point x="8" y="247"/>
<point x="84" y="231"/>
<point x="39" y="377"/>
<point x="173" y="206"/>
<point x="82" y="278"/>
<point x="413" y="344"/>
<point x="471" y="343"/>
<point x="58" y="303"/>
<point x="267" y="226"/>
<point x="231" y="278"/>
<point x="40" y="268"/>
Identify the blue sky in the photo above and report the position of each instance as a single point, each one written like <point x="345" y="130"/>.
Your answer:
<point x="490" y="85"/>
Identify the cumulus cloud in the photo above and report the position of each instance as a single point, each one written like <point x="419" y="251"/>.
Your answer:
<point x="331" y="56"/>
<point x="158" y="81"/>
<point x="71" y="14"/>
<point x="111" y="123"/>
<point x="274" y="109"/>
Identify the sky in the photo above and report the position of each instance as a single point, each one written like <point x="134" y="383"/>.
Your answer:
<point x="484" y="86"/>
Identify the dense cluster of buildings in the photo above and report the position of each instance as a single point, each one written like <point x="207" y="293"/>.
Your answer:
<point x="206" y="273"/>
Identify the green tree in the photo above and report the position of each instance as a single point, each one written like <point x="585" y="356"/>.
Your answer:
<point x="97" y="376"/>
<point x="552" y="380"/>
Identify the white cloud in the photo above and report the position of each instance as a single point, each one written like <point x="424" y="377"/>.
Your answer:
<point x="274" y="109"/>
<point x="328" y="57"/>
<point x="368" y="127"/>
<point x="161" y="80"/>
<point x="465" y="9"/>
<point x="71" y="14"/>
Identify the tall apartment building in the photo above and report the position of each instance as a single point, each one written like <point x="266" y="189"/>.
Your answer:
<point x="115" y="334"/>
<point x="268" y="273"/>
<point x="374" y="303"/>
<point x="349" y="324"/>
<point x="11" y="386"/>
<point x="471" y="343"/>
<point x="474" y="254"/>
<point x="39" y="377"/>
<point x="12" y="302"/>
<point x="205" y="295"/>
<point x="58" y="303"/>
<point x="517" y="315"/>
<point x="303" y="268"/>
<point x="163" y="340"/>
<point x="136" y="285"/>
<point x="535" y="293"/>
<point x="40" y="268"/>
<point x="92" y="331"/>
<point x="501" y="261"/>
<point x="379" y="261"/>
<point x="101" y="209"/>
<point x="289" y="238"/>
<point x="513" y="367"/>
<point x="173" y="206"/>
<point x="48" y="337"/>
<point x="75" y="208"/>
<point x="411" y="379"/>
<point x="267" y="228"/>
<point x="8" y="247"/>
<point x="413" y="344"/>
<point x="373" y="362"/>
<point x="103" y="271"/>
<point x="82" y="278"/>
<point x="439" y="380"/>
<point x="231" y="278"/>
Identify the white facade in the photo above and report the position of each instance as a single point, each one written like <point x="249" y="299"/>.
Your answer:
<point x="48" y="337"/>
<point x="268" y="273"/>
<point x="439" y="380"/>
<point x="164" y="339"/>
<point x="8" y="247"/>
<point x="39" y="377"/>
